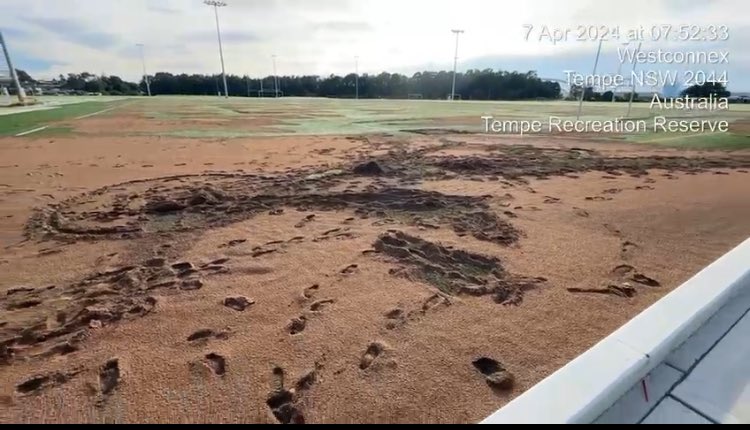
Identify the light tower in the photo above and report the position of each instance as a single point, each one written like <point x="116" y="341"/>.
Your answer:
<point x="455" y="64"/>
<point x="593" y="75"/>
<point x="217" y="4"/>
<point x="14" y="76"/>
<point x="632" y="81"/>
<point x="619" y="71"/>
<point x="145" y="75"/>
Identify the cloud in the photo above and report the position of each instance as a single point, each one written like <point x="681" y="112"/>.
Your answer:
<point x="343" y="26"/>
<point x="33" y="64"/>
<point x="163" y="6"/>
<point x="75" y="32"/>
<point x="296" y="5"/>
<point x="164" y="10"/>
<point x="323" y="36"/>
<point x="10" y="33"/>
<point x="227" y="37"/>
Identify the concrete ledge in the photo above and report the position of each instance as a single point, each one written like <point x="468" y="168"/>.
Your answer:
<point x="587" y="386"/>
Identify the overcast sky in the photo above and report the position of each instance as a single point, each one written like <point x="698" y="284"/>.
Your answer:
<point x="323" y="36"/>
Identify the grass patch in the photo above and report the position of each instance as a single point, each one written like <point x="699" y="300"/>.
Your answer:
<point x="724" y="141"/>
<point x="13" y="124"/>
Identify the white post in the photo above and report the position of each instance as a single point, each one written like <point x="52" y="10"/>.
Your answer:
<point x="632" y="81"/>
<point x="455" y="64"/>
<point x="217" y="5"/>
<point x="593" y="77"/>
<point x="275" y="78"/>
<point x="145" y="75"/>
<point x="619" y="71"/>
<point x="356" y="77"/>
<point x="13" y="74"/>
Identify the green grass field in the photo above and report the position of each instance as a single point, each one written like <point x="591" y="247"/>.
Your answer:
<point x="12" y="124"/>
<point x="213" y="117"/>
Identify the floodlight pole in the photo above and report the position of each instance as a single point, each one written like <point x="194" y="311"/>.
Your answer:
<point x="619" y="71"/>
<point x="356" y="78"/>
<point x="632" y="81"/>
<point x="217" y="5"/>
<point x="275" y="77"/>
<point x="593" y="76"/>
<point x="19" y="90"/>
<point x="455" y="64"/>
<point x="145" y="75"/>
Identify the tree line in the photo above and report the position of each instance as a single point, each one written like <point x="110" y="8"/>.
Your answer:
<point x="474" y="84"/>
<point x="485" y="84"/>
<point x="85" y="83"/>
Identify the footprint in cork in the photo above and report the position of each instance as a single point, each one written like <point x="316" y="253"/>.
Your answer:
<point x="494" y="373"/>
<point x="374" y="350"/>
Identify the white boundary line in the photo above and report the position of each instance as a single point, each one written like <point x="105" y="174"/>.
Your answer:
<point x="77" y="118"/>
<point x="31" y="131"/>
<point x="95" y="113"/>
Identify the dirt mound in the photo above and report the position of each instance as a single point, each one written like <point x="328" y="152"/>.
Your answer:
<point x="128" y="210"/>
<point x="185" y="202"/>
<point x="371" y="168"/>
<point x="454" y="271"/>
<point x="516" y="161"/>
<point x="486" y="226"/>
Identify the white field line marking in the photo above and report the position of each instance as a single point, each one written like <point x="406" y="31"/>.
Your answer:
<point x="96" y="113"/>
<point x="31" y="131"/>
<point x="80" y="117"/>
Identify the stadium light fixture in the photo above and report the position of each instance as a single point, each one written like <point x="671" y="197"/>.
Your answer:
<point x="145" y="75"/>
<point x="455" y="64"/>
<point x="217" y="5"/>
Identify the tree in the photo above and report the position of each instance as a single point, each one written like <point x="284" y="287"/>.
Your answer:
<point x="94" y="86"/>
<point x="24" y="77"/>
<point x="589" y="94"/>
<point x="575" y="92"/>
<point x="708" y="89"/>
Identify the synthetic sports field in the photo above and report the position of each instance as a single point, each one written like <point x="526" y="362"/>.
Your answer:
<point x="199" y="259"/>
<point x="206" y="117"/>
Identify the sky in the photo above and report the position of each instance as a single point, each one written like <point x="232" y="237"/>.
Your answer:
<point x="49" y="37"/>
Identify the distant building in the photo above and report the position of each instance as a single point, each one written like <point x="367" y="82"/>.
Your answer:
<point x="739" y="98"/>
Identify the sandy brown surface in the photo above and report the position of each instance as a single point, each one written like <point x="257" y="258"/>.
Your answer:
<point x="354" y="295"/>
<point x="141" y="122"/>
